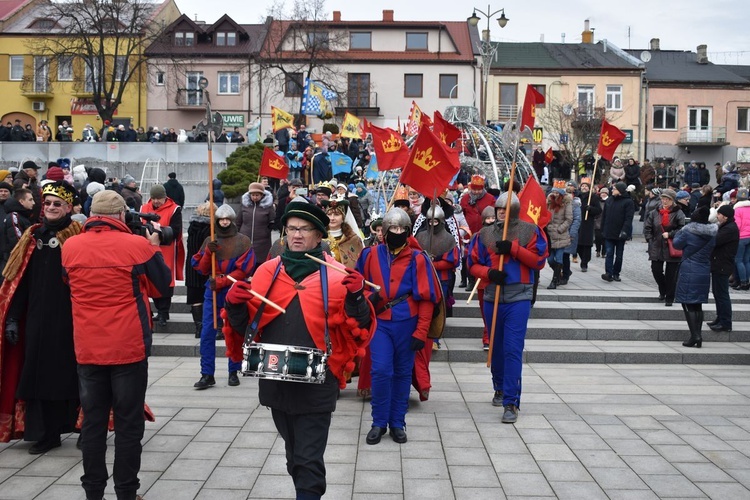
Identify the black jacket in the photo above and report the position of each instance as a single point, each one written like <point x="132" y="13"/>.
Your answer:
<point x="727" y="241"/>
<point x="17" y="220"/>
<point x="175" y="191"/>
<point x="617" y="220"/>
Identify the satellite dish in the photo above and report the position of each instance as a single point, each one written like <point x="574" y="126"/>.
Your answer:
<point x="645" y="56"/>
<point x="567" y="109"/>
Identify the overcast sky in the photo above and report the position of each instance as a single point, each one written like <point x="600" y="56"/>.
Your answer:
<point x="680" y="25"/>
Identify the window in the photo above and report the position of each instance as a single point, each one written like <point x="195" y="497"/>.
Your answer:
<point x="359" y="90"/>
<point x="586" y="100"/>
<point x="743" y="119"/>
<point x="508" y="105"/>
<point x="41" y="74"/>
<point x="542" y="89"/>
<point x="317" y="40"/>
<point x="226" y="38"/>
<point x="64" y="68"/>
<point x="360" y="41"/>
<point x="293" y="85"/>
<point x="229" y="83"/>
<point x="194" y="93"/>
<point x="16" y="67"/>
<point x="43" y="24"/>
<point x="416" y="41"/>
<point x="412" y="85"/>
<point x="186" y="38"/>
<point x="91" y="75"/>
<point x="160" y="79"/>
<point x="120" y="70"/>
<point x="614" y="97"/>
<point x="447" y="82"/>
<point x="665" y="117"/>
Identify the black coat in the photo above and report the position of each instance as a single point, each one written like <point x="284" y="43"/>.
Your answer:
<point x="17" y="219"/>
<point x="617" y="220"/>
<point x="586" y="231"/>
<point x="727" y="241"/>
<point x="658" y="249"/>
<point x="198" y="230"/>
<point x="175" y="191"/>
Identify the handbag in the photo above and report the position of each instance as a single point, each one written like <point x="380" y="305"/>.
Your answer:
<point x="673" y="252"/>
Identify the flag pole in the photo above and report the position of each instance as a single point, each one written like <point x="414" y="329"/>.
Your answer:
<point x="393" y="196"/>
<point x="209" y="141"/>
<point x="591" y="186"/>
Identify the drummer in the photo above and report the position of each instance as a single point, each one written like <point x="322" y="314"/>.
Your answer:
<point x="302" y="411"/>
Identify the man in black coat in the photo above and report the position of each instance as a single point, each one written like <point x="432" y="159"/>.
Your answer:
<point x="589" y="213"/>
<point x="722" y="267"/>
<point x="617" y="227"/>
<point x="174" y="189"/>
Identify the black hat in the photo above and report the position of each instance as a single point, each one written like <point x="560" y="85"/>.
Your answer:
<point x="172" y="175"/>
<point x="700" y="215"/>
<point x="29" y="164"/>
<point x="324" y="189"/>
<point x="621" y="187"/>
<point x="725" y="210"/>
<point x="5" y="185"/>
<point x="401" y="203"/>
<point x="308" y="212"/>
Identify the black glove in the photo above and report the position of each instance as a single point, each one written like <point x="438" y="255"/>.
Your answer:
<point x="416" y="344"/>
<point x="212" y="283"/>
<point x="11" y="331"/>
<point x="497" y="277"/>
<point x="437" y="258"/>
<point x="212" y="246"/>
<point x="623" y="235"/>
<point x="504" y="247"/>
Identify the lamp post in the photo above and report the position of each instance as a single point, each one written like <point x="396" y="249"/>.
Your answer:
<point x="486" y="50"/>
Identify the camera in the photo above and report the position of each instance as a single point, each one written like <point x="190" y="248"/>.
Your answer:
<point x="137" y="226"/>
<point x="301" y="192"/>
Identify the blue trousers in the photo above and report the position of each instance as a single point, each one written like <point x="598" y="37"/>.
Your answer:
<point x="612" y="263"/>
<point x="507" y="348"/>
<point x="208" y="333"/>
<point x="392" y="363"/>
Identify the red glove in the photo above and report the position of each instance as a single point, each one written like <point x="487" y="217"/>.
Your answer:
<point x="354" y="282"/>
<point x="239" y="293"/>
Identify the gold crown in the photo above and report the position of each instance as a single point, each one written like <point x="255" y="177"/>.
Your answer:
<point x="61" y="189"/>
<point x="351" y="127"/>
<point x="559" y="184"/>
<point x="276" y="164"/>
<point x="534" y="212"/>
<point x="606" y="139"/>
<point x="424" y="159"/>
<point x="392" y="145"/>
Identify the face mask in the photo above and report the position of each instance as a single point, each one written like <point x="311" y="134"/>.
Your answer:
<point x="395" y="241"/>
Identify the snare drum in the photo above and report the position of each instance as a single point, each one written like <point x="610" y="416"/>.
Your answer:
<point x="287" y="363"/>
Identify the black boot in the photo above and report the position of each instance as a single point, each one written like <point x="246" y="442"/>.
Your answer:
<point x="555" y="276"/>
<point x="197" y="311"/>
<point x="695" y="323"/>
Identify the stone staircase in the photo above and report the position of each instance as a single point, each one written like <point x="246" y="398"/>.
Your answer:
<point x="588" y="321"/>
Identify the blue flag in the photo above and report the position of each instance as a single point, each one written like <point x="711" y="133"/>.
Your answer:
<point x="315" y="98"/>
<point x="372" y="168"/>
<point x="340" y="163"/>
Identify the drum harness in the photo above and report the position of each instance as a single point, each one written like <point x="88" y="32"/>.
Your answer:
<point x="252" y="328"/>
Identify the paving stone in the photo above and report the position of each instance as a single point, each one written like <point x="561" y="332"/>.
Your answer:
<point x="617" y="478"/>
<point x="525" y="485"/>
<point x="420" y="468"/>
<point x="466" y="456"/>
<point x="221" y="494"/>
<point x="439" y="489"/>
<point x="58" y="491"/>
<point x="174" y="490"/>
<point x="181" y="428"/>
<point x="476" y="476"/>
<point x="564" y="471"/>
<point x="366" y="481"/>
<point x="625" y="447"/>
<point x="197" y="414"/>
<point x="599" y="458"/>
<point x="672" y="486"/>
<point x="232" y="479"/>
<point x="24" y="487"/>
<point x="386" y="461"/>
<point x="340" y="453"/>
<point x="575" y="490"/>
<point x="540" y="436"/>
<point x="728" y="459"/>
<point x="273" y="487"/>
<point x="555" y="452"/>
<point x="163" y="443"/>
<point x="217" y="434"/>
<point x="679" y="453"/>
<point x="650" y="465"/>
<point x="49" y="466"/>
<point x="244" y="457"/>
<point x="703" y="472"/>
<point x="186" y="470"/>
<point x="155" y="461"/>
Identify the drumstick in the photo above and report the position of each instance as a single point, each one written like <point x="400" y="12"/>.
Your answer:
<point x="340" y="269"/>
<point x="473" y="290"/>
<point x="260" y="297"/>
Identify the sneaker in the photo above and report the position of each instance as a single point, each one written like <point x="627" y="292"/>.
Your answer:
<point x="584" y="269"/>
<point x="205" y="382"/>
<point x="485" y="347"/>
<point x="234" y="380"/>
<point x="510" y="415"/>
<point x="616" y="277"/>
<point x="497" y="399"/>
<point x="607" y="277"/>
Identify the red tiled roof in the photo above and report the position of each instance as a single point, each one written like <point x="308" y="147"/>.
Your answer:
<point x="8" y="7"/>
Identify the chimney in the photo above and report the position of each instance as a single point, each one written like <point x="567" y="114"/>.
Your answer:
<point x="336" y="16"/>
<point x="387" y="16"/>
<point x="702" y="54"/>
<point x="588" y="35"/>
<point x="654" y="44"/>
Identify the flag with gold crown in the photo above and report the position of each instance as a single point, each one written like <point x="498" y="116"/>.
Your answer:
<point x="280" y="119"/>
<point x="534" y="204"/>
<point x="444" y="129"/>
<point x="609" y="139"/>
<point x="350" y="127"/>
<point x="390" y="148"/>
<point x="273" y="165"/>
<point x="415" y="119"/>
<point x="431" y="165"/>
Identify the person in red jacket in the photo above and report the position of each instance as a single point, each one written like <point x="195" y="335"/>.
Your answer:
<point x="112" y="273"/>
<point x="472" y="204"/>
<point x="173" y="252"/>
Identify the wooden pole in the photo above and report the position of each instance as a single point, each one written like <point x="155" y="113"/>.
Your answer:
<point x="213" y="222"/>
<point x="591" y="187"/>
<point x="260" y="297"/>
<point x="473" y="291"/>
<point x="393" y="196"/>
<point x="342" y="270"/>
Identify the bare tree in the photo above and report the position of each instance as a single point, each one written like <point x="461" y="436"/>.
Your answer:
<point x="105" y="42"/>
<point x="581" y="127"/>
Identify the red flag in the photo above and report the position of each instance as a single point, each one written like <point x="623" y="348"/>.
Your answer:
<point x="533" y="97"/>
<point x="391" y="150"/>
<point x="549" y="156"/>
<point x="365" y="127"/>
<point x="609" y="139"/>
<point x="444" y="129"/>
<point x="431" y="164"/>
<point x="273" y="165"/>
<point x="534" y="204"/>
<point x="424" y="120"/>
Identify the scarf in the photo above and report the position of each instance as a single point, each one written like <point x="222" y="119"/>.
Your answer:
<point x="297" y="266"/>
<point x="226" y="232"/>
<point x="664" y="212"/>
<point x="58" y="225"/>
<point x="473" y="199"/>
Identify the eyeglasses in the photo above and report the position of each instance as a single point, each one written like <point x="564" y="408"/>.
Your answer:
<point x="56" y="204"/>
<point x="291" y="230"/>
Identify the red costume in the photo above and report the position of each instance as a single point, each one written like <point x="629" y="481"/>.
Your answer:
<point x="174" y="254"/>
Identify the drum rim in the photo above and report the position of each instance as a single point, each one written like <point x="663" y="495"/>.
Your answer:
<point x="282" y="348"/>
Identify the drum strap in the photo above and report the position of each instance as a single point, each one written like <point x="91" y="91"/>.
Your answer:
<point x="252" y="328"/>
<point x="324" y="286"/>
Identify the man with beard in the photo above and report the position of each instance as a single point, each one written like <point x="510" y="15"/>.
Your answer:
<point x="472" y="204"/>
<point x="39" y="380"/>
<point x="17" y="219"/>
<point x="405" y="303"/>
<point x="173" y="252"/>
<point x="524" y="249"/>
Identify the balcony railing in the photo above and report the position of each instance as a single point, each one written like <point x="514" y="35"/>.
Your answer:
<point x="361" y="104"/>
<point x="706" y="136"/>
<point x="36" y="86"/>
<point x="189" y="98"/>
<point x="506" y="112"/>
<point x="82" y="88"/>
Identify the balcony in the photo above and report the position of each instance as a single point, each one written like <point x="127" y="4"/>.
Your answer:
<point x="82" y="88"/>
<point x="506" y="112"/>
<point x="360" y="105"/>
<point x="189" y="98"/>
<point x="35" y="87"/>
<point x="587" y="117"/>
<point x="703" y="136"/>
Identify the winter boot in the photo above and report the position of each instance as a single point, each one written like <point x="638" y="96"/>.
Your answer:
<point x="555" y="276"/>
<point x="695" y="323"/>
<point x="197" y="311"/>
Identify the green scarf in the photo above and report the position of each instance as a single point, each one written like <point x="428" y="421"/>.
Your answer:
<point x="297" y="266"/>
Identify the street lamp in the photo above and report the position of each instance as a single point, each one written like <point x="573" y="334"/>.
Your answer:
<point x="486" y="50"/>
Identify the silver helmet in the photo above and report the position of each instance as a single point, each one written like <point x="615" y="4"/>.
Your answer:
<point x="436" y="212"/>
<point x="396" y="217"/>
<point x="225" y="212"/>
<point x="515" y="203"/>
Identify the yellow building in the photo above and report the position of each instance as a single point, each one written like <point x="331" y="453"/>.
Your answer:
<point x="44" y="75"/>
